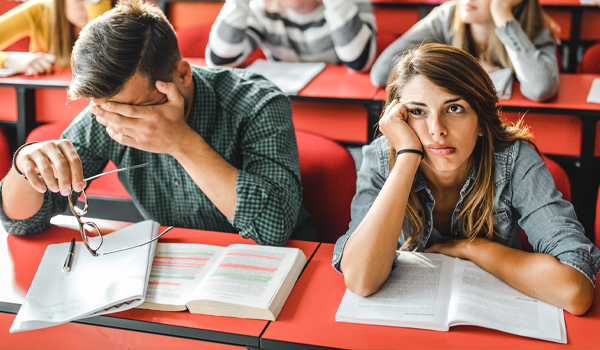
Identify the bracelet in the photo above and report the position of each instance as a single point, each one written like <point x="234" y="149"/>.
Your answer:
<point x="410" y="151"/>
<point x="14" y="161"/>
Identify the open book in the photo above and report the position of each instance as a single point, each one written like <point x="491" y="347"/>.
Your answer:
<point x="434" y="291"/>
<point x="594" y="94"/>
<point x="94" y="285"/>
<point x="290" y="77"/>
<point x="240" y="280"/>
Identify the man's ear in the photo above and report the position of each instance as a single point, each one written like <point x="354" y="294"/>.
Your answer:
<point x="182" y="73"/>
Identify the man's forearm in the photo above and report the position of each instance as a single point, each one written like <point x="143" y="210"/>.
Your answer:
<point x="211" y="172"/>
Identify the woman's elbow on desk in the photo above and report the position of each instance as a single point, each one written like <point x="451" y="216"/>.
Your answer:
<point x="579" y="296"/>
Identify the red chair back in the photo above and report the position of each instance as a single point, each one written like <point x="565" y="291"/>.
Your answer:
<point x="562" y="184"/>
<point x="5" y="155"/>
<point x="193" y="40"/>
<point x="104" y="186"/>
<point x="328" y="176"/>
<point x="590" y="63"/>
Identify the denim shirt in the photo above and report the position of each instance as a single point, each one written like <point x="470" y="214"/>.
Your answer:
<point x="524" y="196"/>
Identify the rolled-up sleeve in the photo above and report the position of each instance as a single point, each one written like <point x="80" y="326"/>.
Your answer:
<point x="548" y="220"/>
<point x="370" y="180"/>
<point x="268" y="187"/>
<point x="53" y="204"/>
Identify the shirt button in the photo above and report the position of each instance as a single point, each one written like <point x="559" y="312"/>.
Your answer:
<point x="182" y="219"/>
<point x="176" y="182"/>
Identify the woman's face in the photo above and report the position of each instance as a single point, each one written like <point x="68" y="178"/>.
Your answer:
<point x="76" y="12"/>
<point x="445" y="123"/>
<point x="474" y="11"/>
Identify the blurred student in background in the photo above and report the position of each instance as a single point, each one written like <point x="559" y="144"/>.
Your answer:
<point x="511" y="34"/>
<point x="51" y="25"/>
<point x="331" y="31"/>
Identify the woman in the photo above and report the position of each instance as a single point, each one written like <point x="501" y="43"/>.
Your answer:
<point x="52" y="25"/>
<point x="501" y="33"/>
<point x="476" y="181"/>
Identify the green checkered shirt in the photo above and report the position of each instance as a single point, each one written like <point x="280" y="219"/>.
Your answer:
<point x="245" y="119"/>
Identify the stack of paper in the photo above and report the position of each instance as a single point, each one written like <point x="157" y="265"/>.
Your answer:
<point x="594" y="95"/>
<point x="94" y="285"/>
<point x="290" y="77"/>
<point x="503" y="81"/>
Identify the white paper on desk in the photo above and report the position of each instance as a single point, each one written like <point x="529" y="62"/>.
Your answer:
<point x="594" y="95"/>
<point x="94" y="285"/>
<point x="7" y="72"/>
<point x="503" y="81"/>
<point x="290" y="77"/>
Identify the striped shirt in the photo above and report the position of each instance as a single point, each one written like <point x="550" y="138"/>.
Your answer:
<point x="337" y="31"/>
<point x="245" y="119"/>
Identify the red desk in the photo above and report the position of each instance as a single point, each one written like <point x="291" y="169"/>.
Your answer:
<point x="308" y="321"/>
<point x="20" y="257"/>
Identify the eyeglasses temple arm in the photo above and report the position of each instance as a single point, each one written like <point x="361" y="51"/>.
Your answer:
<point x="117" y="170"/>
<point x="139" y="245"/>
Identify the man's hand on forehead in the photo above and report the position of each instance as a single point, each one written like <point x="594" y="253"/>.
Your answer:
<point x="153" y="128"/>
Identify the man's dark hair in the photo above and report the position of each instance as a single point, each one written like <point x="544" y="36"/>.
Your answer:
<point x="132" y="37"/>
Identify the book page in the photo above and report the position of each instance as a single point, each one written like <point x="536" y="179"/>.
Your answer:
<point x="177" y="270"/>
<point x="247" y="275"/>
<point x="290" y="77"/>
<point x="594" y="94"/>
<point x="481" y="299"/>
<point x="94" y="286"/>
<point x="416" y="294"/>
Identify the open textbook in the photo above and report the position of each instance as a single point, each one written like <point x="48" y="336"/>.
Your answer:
<point x="434" y="291"/>
<point x="94" y="285"/>
<point x="240" y="280"/>
<point x="290" y="77"/>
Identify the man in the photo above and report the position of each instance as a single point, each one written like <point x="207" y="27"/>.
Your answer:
<point x="220" y="141"/>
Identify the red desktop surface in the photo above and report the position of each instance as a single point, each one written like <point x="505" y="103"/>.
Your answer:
<point x="21" y="255"/>
<point x="339" y="82"/>
<point x="308" y="317"/>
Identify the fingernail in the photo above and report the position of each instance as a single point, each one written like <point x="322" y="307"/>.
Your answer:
<point x="104" y="105"/>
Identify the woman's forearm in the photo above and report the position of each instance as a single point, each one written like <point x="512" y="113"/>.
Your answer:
<point x="369" y="252"/>
<point x="538" y="275"/>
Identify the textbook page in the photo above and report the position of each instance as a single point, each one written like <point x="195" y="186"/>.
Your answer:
<point x="245" y="275"/>
<point x="94" y="285"/>
<point x="594" y="94"/>
<point x="290" y="77"/>
<point x="177" y="270"/>
<point x="416" y="295"/>
<point x="479" y="298"/>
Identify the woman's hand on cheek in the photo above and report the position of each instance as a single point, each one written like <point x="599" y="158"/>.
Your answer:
<point x="501" y="11"/>
<point x="394" y="126"/>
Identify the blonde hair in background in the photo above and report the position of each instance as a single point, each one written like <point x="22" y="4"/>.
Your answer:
<point x="62" y="37"/>
<point x="530" y="16"/>
<point x="456" y="71"/>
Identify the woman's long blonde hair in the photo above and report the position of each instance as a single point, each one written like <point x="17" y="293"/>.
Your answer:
<point x="62" y="36"/>
<point x="530" y="16"/>
<point x="459" y="73"/>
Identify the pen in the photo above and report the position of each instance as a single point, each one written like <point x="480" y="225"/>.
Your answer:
<point x="69" y="260"/>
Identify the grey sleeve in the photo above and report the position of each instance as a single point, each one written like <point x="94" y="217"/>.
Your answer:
<point x="534" y="61"/>
<point x="435" y="27"/>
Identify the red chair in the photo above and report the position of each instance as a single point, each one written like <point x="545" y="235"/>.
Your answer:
<point x="561" y="180"/>
<point x="590" y="63"/>
<point x="328" y="176"/>
<point x="5" y="155"/>
<point x="193" y="40"/>
<point x="105" y="186"/>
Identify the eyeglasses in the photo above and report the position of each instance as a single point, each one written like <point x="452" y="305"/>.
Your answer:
<point x="91" y="227"/>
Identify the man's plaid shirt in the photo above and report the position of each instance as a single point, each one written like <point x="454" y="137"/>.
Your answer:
<point x="245" y="119"/>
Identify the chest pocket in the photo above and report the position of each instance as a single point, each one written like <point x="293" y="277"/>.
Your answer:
<point x="502" y="223"/>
